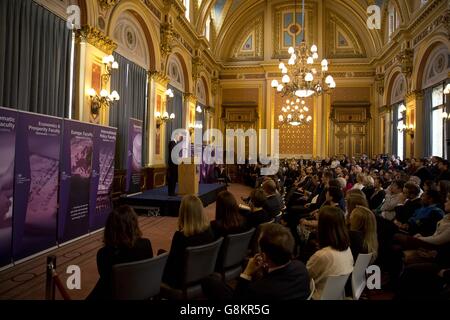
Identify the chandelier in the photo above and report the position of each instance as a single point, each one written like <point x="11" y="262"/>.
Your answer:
<point x="301" y="78"/>
<point x="295" y="113"/>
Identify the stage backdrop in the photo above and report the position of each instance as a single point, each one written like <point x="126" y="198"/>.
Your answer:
<point x="102" y="176"/>
<point x="38" y="143"/>
<point x="76" y="175"/>
<point x="134" y="156"/>
<point x="8" y="123"/>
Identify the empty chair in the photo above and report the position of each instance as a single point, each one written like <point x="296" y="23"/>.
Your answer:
<point x="138" y="280"/>
<point x="359" y="274"/>
<point x="232" y="253"/>
<point x="312" y="288"/>
<point x="335" y="288"/>
<point x="199" y="263"/>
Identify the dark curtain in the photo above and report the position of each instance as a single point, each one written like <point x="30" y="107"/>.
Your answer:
<point x="395" y="132"/>
<point x="174" y="105"/>
<point x="427" y="129"/>
<point x="130" y="81"/>
<point x="35" y="47"/>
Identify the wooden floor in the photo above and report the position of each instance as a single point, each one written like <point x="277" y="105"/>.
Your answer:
<point x="26" y="281"/>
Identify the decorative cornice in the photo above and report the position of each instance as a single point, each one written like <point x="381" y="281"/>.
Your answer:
<point x="106" y="4"/>
<point x="190" y="97"/>
<point x="414" y="95"/>
<point x="149" y="4"/>
<point x="384" y="109"/>
<point x="159" y="77"/>
<point x="96" y="38"/>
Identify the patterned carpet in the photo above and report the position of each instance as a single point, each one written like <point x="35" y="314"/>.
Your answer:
<point x="26" y="281"/>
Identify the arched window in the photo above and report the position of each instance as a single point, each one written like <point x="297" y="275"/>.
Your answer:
<point x="187" y="5"/>
<point x="207" y="33"/>
<point x="399" y="115"/>
<point x="434" y="80"/>
<point x="393" y="19"/>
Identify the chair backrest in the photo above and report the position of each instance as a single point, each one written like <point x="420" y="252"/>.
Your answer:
<point x="234" y="248"/>
<point x="359" y="274"/>
<point x="335" y="287"/>
<point x="138" y="280"/>
<point x="312" y="288"/>
<point x="200" y="261"/>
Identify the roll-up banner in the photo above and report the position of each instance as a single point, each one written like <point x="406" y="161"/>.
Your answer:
<point x="102" y="177"/>
<point x="134" y="156"/>
<point x="38" y="143"/>
<point x="8" y="124"/>
<point x="75" y="183"/>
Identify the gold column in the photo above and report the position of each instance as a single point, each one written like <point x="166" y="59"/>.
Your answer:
<point x="414" y="111"/>
<point x="158" y="85"/>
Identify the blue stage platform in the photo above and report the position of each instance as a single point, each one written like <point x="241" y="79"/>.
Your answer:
<point x="157" y="201"/>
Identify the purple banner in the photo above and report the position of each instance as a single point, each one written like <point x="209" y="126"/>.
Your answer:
<point x="38" y="144"/>
<point x="8" y="123"/>
<point x="102" y="176"/>
<point x="134" y="156"/>
<point x="76" y="174"/>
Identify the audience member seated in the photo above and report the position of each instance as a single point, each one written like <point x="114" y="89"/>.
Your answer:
<point x="412" y="203"/>
<point x="274" y="203"/>
<point x="255" y="213"/>
<point x="193" y="230"/>
<point x="424" y="220"/>
<point x="394" y="197"/>
<point x="270" y="275"/>
<point x="335" y="257"/>
<point x="444" y="173"/>
<point x="363" y="232"/>
<point x="228" y="220"/>
<point x="123" y="243"/>
<point x="377" y="197"/>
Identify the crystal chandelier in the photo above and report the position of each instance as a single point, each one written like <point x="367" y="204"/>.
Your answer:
<point x="300" y="76"/>
<point x="295" y="113"/>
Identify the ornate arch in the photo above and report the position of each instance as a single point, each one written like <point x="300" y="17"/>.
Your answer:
<point x="144" y="20"/>
<point x="202" y="84"/>
<point x="390" y="81"/>
<point x="427" y="49"/>
<point x="177" y="72"/>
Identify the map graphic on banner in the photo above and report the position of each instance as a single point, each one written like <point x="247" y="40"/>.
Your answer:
<point x="102" y="177"/>
<point x="134" y="156"/>
<point x="38" y="143"/>
<point x="8" y="124"/>
<point x="76" y="173"/>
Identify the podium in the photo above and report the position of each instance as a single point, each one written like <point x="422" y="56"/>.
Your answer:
<point x="188" y="179"/>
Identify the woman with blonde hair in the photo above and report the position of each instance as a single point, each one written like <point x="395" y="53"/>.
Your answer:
<point x="363" y="222"/>
<point x="193" y="230"/>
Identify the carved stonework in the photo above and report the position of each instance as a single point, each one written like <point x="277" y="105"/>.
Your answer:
<point x="405" y="59"/>
<point x="379" y="79"/>
<point x="106" y="4"/>
<point x="215" y="83"/>
<point x="415" y="95"/>
<point x="167" y="37"/>
<point x="189" y="97"/>
<point x="97" y="38"/>
<point x="384" y="109"/>
<point x="196" y="67"/>
<point x="159" y="77"/>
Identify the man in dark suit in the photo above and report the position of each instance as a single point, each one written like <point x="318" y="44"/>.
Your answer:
<point x="269" y="276"/>
<point x="172" y="171"/>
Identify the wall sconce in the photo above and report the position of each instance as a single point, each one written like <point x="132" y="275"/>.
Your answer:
<point x="447" y="89"/>
<point x="199" y="109"/>
<point x="104" y="98"/>
<point x="403" y="128"/>
<point x="192" y="127"/>
<point x="165" y="117"/>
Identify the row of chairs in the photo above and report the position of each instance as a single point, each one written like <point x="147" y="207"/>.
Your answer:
<point x="335" y="285"/>
<point x="142" y="280"/>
